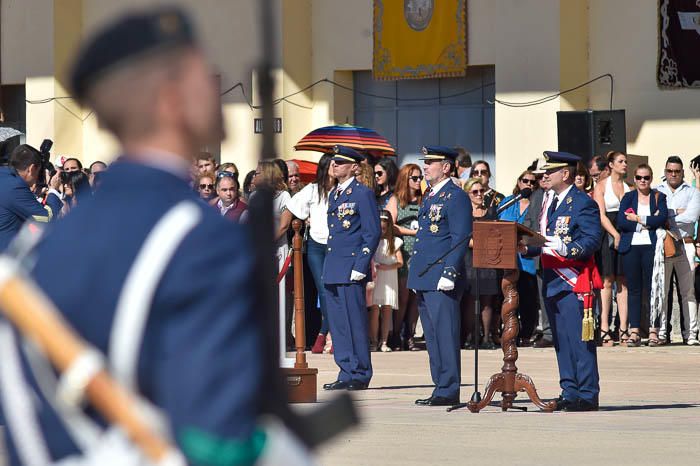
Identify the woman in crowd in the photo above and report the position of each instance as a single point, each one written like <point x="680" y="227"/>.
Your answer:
<point x="642" y="212"/>
<point x="583" y="180"/>
<point x="385" y="173"/>
<point x="527" y="283"/>
<point x="492" y="198"/>
<point x="76" y="188"/>
<point x="365" y="175"/>
<point x="607" y="194"/>
<point x="311" y="204"/>
<point x="228" y="167"/>
<point x="204" y="183"/>
<point x="488" y="278"/>
<point x="228" y="199"/>
<point x="408" y="198"/>
<point x="387" y="260"/>
<point x="248" y="186"/>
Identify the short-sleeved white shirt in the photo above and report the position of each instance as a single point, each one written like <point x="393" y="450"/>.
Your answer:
<point x="308" y="204"/>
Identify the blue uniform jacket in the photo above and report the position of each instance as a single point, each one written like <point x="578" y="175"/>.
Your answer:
<point x="18" y="204"/>
<point x="444" y="220"/>
<point x="353" y="233"/>
<point x="198" y="360"/>
<point x="577" y="221"/>
<point x="657" y="219"/>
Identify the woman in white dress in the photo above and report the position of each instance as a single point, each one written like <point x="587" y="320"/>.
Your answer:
<point x="387" y="261"/>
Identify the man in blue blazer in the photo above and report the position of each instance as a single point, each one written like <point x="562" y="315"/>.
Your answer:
<point x="573" y="235"/>
<point x="353" y="237"/>
<point x="444" y="224"/>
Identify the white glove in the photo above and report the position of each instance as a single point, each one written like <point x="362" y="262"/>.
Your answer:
<point x="356" y="276"/>
<point x="556" y="244"/>
<point x="445" y="284"/>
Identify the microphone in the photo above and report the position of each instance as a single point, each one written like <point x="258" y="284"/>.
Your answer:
<point x="523" y="194"/>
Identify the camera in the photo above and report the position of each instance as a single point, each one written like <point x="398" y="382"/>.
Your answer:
<point x="45" y="152"/>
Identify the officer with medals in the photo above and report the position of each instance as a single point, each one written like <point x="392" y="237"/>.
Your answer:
<point x="353" y="237"/>
<point x="573" y="235"/>
<point x="172" y="317"/>
<point x="444" y="224"/>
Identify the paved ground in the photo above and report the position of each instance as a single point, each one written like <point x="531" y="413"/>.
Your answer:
<point x="650" y="414"/>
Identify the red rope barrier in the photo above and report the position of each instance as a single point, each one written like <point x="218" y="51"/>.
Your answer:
<point x="285" y="267"/>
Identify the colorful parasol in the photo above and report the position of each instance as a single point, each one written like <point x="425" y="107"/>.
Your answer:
<point x="361" y="139"/>
<point x="307" y="170"/>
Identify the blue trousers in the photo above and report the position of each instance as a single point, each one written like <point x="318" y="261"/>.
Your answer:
<point x="315" y="256"/>
<point x="578" y="364"/>
<point x="347" y="316"/>
<point x="638" y="264"/>
<point x="440" y="317"/>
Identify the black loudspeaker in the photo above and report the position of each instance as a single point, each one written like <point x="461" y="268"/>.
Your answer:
<point x="591" y="132"/>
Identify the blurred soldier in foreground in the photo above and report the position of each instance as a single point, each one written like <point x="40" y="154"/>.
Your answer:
<point x="140" y="285"/>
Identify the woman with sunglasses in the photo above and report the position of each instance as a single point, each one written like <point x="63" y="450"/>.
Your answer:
<point x="408" y="198"/>
<point x="204" y="184"/>
<point x="527" y="283"/>
<point x="482" y="170"/>
<point x="608" y="194"/>
<point x="385" y="174"/>
<point x="642" y="212"/>
<point x="488" y="278"/>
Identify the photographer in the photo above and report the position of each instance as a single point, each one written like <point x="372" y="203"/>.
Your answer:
<point x="17" y="202"/>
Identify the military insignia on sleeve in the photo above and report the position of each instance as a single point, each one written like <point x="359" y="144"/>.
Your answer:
<point x="434" y="228"/>
<point x="346" y="224"/>
<point x="566" y="239"/>
<point x="575" y="251"/>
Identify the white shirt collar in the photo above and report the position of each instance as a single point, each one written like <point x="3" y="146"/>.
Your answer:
<point x="563" y="194"/>
<point x="223" y="209"/>
<point x="436" y="189"/>
<point x="346" y="183"/>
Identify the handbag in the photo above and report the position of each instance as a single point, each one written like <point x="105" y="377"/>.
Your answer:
<point x="673" y="247"/>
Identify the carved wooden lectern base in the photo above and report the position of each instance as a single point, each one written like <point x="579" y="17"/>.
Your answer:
<point x="509" y="382"/>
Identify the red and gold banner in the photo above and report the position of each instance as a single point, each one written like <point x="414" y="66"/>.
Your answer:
<point x="416" y="39"/>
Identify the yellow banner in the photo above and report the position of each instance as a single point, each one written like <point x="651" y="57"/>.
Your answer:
<point x="419" y="39"/>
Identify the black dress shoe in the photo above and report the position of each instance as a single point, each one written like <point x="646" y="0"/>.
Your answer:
<point x="357" y="385"/>
<point x="563" y="404"/>
<point x="337" y="385"/>
<point x="441" y="401"/>
<point x="424" y="401"/>
<point x="582" y="406"/>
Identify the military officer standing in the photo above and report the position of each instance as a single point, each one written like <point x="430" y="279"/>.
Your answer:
<point x="173" y="320"/>
<point x="353" y="237"/>
<point x="444" y="223"/>
<point x="573" y="235"/>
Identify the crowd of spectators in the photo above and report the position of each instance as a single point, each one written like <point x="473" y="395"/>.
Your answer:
<point x="649" y="243"/>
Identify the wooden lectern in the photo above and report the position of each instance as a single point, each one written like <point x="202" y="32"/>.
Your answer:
<point x="301" y="379"/>
<point x="496" y="247"/>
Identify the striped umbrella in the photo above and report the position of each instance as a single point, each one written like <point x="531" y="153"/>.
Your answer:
<point x="361" y="139"/>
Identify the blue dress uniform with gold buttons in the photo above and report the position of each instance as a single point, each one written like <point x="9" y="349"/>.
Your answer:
<point x="353" y="237"/>
<point x="573" y="234"/>
<point x="444" y="220"/>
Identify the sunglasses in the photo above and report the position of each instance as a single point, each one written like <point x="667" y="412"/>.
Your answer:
<point x="640" y="177"/>
<point x="673" y="172"/>
<point x="416" y="178"/>
<point x="477" y="192"/>
<point x="206" y="186"/>
<point x="480" y="172"/>
<point x="528" y="181"/>
<point x="225" y="174"/>
<point x="378" y="174"/>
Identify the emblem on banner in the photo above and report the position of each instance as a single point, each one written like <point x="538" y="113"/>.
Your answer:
<point x="418" y="13"/>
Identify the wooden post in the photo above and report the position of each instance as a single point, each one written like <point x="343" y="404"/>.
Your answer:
<point x="299" y="316"/>
<point x="301" y="379"/>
